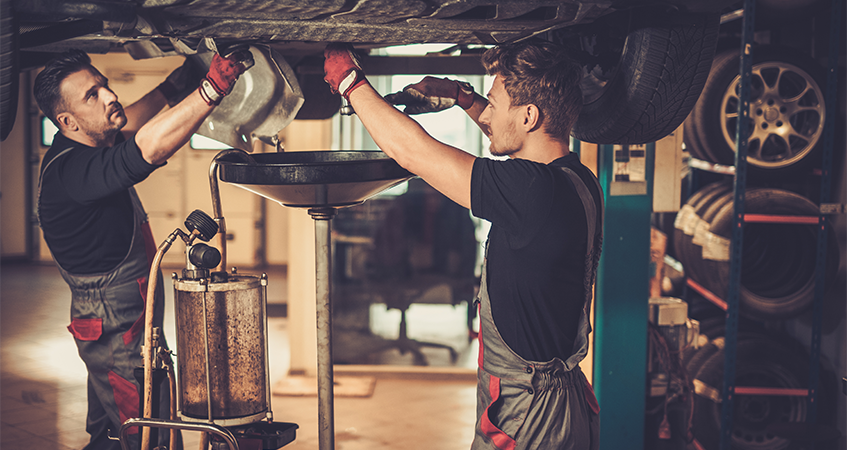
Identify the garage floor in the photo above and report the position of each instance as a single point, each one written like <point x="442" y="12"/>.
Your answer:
<point x="42" y="383"/>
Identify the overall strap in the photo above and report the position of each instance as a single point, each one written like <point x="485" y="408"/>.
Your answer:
<point x="594" y="245"/>
<point x="594" y="223"/>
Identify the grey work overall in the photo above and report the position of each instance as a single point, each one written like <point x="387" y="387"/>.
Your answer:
<point x="538" y="405"/>
<point x="107" y="322"/>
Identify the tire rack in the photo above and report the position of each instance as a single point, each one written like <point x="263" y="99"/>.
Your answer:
<point x="731" y="304"/>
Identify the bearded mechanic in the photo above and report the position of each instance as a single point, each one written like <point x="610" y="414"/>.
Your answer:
<point x="94" y="223"/>
<point x="546" y="213"/>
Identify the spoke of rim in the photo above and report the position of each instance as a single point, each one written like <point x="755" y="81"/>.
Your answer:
<point x="759" y="134"/>
<point x="787" y="153"/>
<point x="796" y="109"/>
<point x="758" y="74"/>
<point x="767" y="90"/>
<point x="802" y="94"/>
<point x="758" y="154"/>
<point x="802" y="149"/>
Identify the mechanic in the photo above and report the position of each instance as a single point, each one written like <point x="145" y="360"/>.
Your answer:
<point x="94" y="223"/>
<point x="542" y="252"/>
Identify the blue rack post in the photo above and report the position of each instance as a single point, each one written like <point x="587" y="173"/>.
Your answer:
<point x="736" y="243"/>
<point x="621" y="305"/>
<point x="826" y="190"/>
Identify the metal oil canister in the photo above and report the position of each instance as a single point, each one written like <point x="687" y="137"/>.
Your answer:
<point x="222" y="353"/>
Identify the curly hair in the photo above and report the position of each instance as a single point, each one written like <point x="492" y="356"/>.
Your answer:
<point x="540" y="73"/>
<point x="47" y="87"/>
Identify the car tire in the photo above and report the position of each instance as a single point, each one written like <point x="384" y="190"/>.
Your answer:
<point x="693" y="136"/>
<point x="662" y="69"/>
<point x="9" y="69"/>
<point x="760" y="362"/>
<point x="713" y="132"/>
<point x="686" y="223"/>
<point x="778" y="266"/>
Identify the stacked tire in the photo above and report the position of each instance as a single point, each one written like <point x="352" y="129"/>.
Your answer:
<point x="759" y="421"/>
<point x="777" y="282"/>
<point x="778" y="262"/>
<point x="787" y="112"/>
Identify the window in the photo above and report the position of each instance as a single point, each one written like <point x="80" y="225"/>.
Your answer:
<point x="48" y="130"/>
<point x="199" y="142"/>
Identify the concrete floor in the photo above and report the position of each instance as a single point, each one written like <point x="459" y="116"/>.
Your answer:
<point x="42" y="381"/>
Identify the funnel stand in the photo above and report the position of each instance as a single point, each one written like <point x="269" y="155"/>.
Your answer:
<point x="174" y="425"/>
<point x="323" y="283"/>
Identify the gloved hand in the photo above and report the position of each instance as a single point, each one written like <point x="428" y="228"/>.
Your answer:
<point x="223" y="73"/>
<point x="342" y="70"/>
<point x="181" y="82"/>
<point x="433" y="94"/>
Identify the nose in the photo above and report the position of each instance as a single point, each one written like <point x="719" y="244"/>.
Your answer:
<point x="108" y="95"/>
<point x="485" y="116"/>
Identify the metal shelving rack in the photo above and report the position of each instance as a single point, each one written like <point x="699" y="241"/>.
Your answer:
<point x="739" y="171"/>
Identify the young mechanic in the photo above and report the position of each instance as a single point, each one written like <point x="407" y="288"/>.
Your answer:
<point x="546" y="213"/>
<point x="93" y="221"/>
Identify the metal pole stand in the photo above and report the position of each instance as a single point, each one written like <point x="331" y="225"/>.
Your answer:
<point x="323" y="285"/>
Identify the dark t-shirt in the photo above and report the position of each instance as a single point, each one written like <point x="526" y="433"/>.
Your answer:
<point x="536" y="251"/>
<point x="85" y="209"/>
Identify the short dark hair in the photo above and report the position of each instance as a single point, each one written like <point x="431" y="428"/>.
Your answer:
<point x="540" y="73"/>
<point x="47" y="87"/>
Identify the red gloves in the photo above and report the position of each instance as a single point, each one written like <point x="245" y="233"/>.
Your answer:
<point x="223" y="73"/>
<point x="342" y="70"/>
<point x="433" y="94"/>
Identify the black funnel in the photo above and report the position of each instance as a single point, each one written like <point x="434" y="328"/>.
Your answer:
<point x="314" y="179"/>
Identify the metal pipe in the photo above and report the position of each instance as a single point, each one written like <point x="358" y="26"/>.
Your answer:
<point x="323" y="278"/>
<point x="264" y="283"/>
<point x="152" y="280"/>
<point x="204" y="441"/>
<point x="190" y="426"/>
<point x="216" y="198"/>
<point x="172" y="416"/>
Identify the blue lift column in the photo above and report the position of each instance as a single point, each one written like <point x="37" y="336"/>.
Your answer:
<point x="622" y="294"/>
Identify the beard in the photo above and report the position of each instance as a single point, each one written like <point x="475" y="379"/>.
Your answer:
<point x="505" y="143"/>
<point x="501" y="151"/>
<point x="103" y="133"/>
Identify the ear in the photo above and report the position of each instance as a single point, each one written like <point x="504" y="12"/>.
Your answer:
<point x="531" y="118"/>
<point x="67" y="122"/>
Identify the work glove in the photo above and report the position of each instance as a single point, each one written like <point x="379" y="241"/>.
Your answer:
<point x="223" y="73"/>
<point x="181" y="82"/>
<point x="433" y="94"/>
<point x="342" y="70"/>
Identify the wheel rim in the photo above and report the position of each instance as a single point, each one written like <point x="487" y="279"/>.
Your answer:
<point x="597" y="76"/>
<point x="754" y="413"/>
<point x="786" y="110"/>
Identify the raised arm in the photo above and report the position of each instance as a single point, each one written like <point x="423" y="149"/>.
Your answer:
<point x="445" y="168"/>
<point x="437" y="94"/>
<point x="164" y="134"/>
<point x="177" y="86"/>
<point x="140" y="112"/>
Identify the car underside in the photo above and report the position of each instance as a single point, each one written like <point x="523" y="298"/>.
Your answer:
<point x="628" y="100"/>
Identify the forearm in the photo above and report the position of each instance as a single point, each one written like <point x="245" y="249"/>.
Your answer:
<point x="165" y="133"/>
<point x="479" y="105"/>
<point x="445" y="168"/>
<point x="138" y="113"/>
